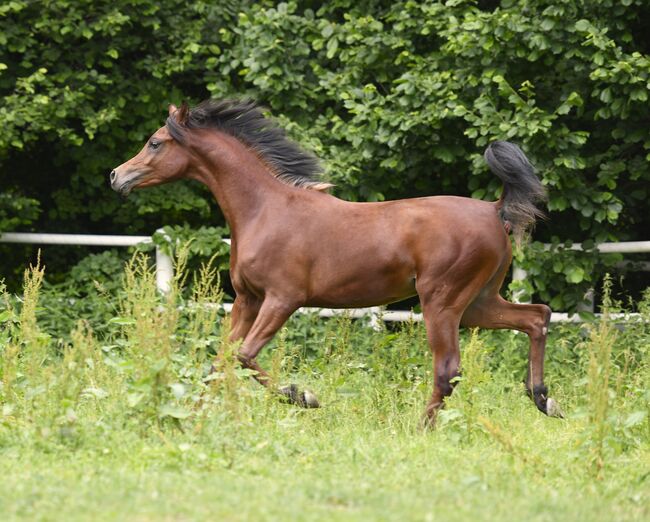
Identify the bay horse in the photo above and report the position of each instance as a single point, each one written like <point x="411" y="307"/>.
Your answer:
<point x="293" y="244"/>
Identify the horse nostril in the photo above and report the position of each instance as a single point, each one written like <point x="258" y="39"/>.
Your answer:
<point x="113" y="176"/>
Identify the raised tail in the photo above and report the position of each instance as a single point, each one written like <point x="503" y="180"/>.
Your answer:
<point x="522" y="190"/>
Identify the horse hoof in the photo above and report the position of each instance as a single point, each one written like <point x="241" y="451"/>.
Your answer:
<point x="553" y="409"/>
<point x="293" y="395"/>
<point x="309" y="400"/>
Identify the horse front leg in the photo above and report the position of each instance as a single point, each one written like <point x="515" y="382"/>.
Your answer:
<point x="272" y="315"/>
<point x="242" y="316"/>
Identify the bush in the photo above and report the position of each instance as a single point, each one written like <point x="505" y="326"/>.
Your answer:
<point x="399" y="99"/>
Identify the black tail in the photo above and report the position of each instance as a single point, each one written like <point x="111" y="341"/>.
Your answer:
<point x="522" y="189"/>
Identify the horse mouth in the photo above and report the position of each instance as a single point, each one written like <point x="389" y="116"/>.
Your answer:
<point x="125" y="187"/>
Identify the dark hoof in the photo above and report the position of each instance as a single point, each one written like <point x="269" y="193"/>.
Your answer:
<point x="304" y="399"/>
<point x="544" y="403"/>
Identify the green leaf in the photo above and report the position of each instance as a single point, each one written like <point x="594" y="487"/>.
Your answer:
<point x="176" y="412"/>
<point x="547" y="24"/>
<point x="133" y="399"/>
<point x="635" y="418"/>
<point x="98" y="393"/>
<point x="177" y="389"/>
<point x="575" y="274"/>
<point x="122" y="321"/>
<point x="332" y="47"/>
<point x="327" y="31"/>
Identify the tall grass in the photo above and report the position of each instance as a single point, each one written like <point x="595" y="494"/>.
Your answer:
<point x="602" y="339"/>
<point x="136" y="404"/>
<point x="32" y="341"/>
<point x="468" y="400"/>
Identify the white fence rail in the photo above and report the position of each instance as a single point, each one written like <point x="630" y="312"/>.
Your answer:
<point x="624" y="247"/>
<point x="165" y="269"/>
<point x="164" y="264"/>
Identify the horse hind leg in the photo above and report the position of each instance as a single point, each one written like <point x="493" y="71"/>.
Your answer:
<point x="442" y="333"/>
<point x="443" y="303"/>
<point x="494" y="312"/>
<point x="442" y="312"/>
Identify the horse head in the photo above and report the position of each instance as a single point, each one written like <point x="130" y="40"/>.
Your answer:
<point x="161" y="160"/>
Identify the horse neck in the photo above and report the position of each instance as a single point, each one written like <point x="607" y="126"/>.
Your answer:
<point x="240" y="181"/>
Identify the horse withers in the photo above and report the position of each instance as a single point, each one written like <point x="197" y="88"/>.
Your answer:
<point x="293" y="244"/>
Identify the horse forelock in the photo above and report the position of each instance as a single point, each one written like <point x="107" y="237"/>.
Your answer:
<point x="245" y="121"/>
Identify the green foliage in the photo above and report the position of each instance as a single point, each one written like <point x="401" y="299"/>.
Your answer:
<point x="16" y="211"/>
<point x="398" y="98"/>
<point x="559" y="275"/>
<point x="90" y="291"/>
<point x="203" y="242"/>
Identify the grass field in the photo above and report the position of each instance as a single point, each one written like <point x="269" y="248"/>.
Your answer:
<point x="114" y="421"/>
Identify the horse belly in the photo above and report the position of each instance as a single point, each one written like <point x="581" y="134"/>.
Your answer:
<point x="361" y="280"/>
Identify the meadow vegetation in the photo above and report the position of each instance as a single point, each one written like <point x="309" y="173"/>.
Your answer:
<point x="116" y="416"/>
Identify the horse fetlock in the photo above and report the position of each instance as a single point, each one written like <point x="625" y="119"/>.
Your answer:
<point x="446" y="381"/>
<point x="293" y="395"/>
<point x="539" y="394"/>
<point x="428" y="421"/>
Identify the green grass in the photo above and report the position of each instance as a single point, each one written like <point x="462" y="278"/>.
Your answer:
<point x="121" y="426"/>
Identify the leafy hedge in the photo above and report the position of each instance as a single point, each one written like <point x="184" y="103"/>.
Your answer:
<point x="398" y="98"/>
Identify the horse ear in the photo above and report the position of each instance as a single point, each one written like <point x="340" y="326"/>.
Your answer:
<point x="183" y="113"/>
<point x="172" y="109"/>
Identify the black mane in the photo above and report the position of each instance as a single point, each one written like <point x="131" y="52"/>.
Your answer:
<point x="244" y="120"/>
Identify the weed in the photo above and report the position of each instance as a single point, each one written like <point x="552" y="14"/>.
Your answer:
<point x="470" y="396"/>
<point x="527" y="458"/>
<point x="33" y="342"/>
<point x="228" y="374"/>
<point x="599" y="393"/>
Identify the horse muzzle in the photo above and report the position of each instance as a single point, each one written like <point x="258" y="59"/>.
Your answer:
<point x="123" y="183"/>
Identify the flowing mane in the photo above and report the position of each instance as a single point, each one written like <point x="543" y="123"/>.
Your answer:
<point x="244" y="120"/>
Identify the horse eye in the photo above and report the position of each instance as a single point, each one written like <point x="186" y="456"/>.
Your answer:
<point x="154" y="144"/>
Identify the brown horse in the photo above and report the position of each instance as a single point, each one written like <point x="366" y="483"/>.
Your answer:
<point x="294" y="245"/>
